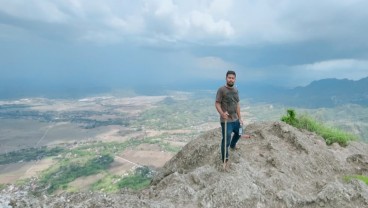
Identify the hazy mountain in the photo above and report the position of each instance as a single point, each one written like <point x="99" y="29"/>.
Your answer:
<point x="321" y="93"/>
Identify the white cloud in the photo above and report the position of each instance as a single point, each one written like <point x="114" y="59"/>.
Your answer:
<point x="180" y="22"/>
<point x="335" y="66"/>
<point x="256" y="38"/>
<point x="211" y="62"/>
<point x="163" y="20"/>
<point x="340" y="68"/>
<point x="212" y="67"/>
<point x="221" y="7"/>
<point x="207" y="21"/>
<point x="36" y="10"/>
<point x="205" y="24"/>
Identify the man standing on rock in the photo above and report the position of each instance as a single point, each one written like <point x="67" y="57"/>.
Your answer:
<point x="227" y="105"/>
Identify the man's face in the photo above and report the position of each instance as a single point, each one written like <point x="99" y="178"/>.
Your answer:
<point x="230" y="80"/>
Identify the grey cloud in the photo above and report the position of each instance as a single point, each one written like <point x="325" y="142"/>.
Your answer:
<point x="161" y="42"/>
<point x="212" y="22"/>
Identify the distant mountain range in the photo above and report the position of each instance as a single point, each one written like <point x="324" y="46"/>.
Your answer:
<point x="321" y="93"/>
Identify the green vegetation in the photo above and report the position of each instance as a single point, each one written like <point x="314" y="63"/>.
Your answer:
<point x="29" y="154"/>
<point x="140" y="179"/>
<point x="93" y="123"/>
<point x="116" y="147"/>
<point x="107" y="184"/>
<point x="359" y="177"/>
<point x="181" y="114"/>
<point x="2" y="186"/>
<point x="351" y="117"/>
<point x="60" y="177"/>
<point x="81" y="161"/>
<point x="290" y="118"/>
<point x="331" y="135"/>
<point x="168" y="147"/>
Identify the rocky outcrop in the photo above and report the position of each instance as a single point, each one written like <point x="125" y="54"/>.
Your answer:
<point x="279" y="166"/>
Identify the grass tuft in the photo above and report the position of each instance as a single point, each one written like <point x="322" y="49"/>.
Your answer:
<point x="359" y="177"/>
<point x="329" y="134"/>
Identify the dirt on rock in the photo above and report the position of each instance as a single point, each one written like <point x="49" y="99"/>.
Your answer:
<point x="279" y="166"/>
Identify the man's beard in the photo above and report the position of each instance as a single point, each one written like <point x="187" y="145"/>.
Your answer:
<point x="230" y="84"/>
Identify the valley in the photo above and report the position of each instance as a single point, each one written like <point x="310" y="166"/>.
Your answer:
<point x="131" y="132"/>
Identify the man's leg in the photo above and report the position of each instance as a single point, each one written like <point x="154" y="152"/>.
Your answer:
<point x="236" y="136"/>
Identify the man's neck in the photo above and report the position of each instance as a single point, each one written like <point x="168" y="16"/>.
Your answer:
<point x="229" y="86"/>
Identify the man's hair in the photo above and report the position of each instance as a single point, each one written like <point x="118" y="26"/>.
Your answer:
<point x="230" y="72"/>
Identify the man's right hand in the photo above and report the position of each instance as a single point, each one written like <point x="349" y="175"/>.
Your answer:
<point x="225" y="115"/>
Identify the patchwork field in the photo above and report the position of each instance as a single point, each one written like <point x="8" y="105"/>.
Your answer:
<point x="130" y="124"/>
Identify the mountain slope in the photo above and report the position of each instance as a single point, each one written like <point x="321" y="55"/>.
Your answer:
<point x="279" y="166"/>
<point x="331" y="92"/>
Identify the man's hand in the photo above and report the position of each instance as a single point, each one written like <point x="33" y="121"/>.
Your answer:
<point x="241" y="121"/>
<point x="225" y="115"/>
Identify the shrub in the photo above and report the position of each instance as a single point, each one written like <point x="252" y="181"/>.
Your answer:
<point x="290" y="117"/>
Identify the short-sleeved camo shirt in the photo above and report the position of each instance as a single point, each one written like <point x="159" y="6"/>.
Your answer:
<point x="228" y="98"/>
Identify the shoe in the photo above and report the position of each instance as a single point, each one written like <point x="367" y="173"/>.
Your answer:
<point x="226" y="166"/>
<point x="234" y="148"/>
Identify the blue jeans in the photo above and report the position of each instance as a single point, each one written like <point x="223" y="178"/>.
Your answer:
<point x="230" y="142"/>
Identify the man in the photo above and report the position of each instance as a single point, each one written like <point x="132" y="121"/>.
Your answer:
<point x="227" y="105"/>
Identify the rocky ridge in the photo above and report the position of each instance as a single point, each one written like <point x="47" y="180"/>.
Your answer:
<point x="280" y="166"/>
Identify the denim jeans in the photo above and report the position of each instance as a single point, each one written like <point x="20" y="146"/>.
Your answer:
<point x="232" y="127"/>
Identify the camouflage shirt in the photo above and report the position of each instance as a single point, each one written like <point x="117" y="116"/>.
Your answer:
<point x="228" y="98"/>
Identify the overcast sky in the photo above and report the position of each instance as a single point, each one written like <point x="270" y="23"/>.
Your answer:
<point x="121" y="43"/>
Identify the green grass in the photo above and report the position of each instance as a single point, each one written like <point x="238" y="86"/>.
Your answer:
<point x="330" y="134"/>
<point x="107" y="184"/>
<point x="359" y="177"/>
<point x="2" y="186"/>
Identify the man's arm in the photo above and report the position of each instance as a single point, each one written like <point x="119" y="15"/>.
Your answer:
<point x="224" y="115"/>
<point x="238" y="113"/>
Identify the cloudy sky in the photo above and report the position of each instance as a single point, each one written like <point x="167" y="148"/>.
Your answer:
<point x="119" y="43"/>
